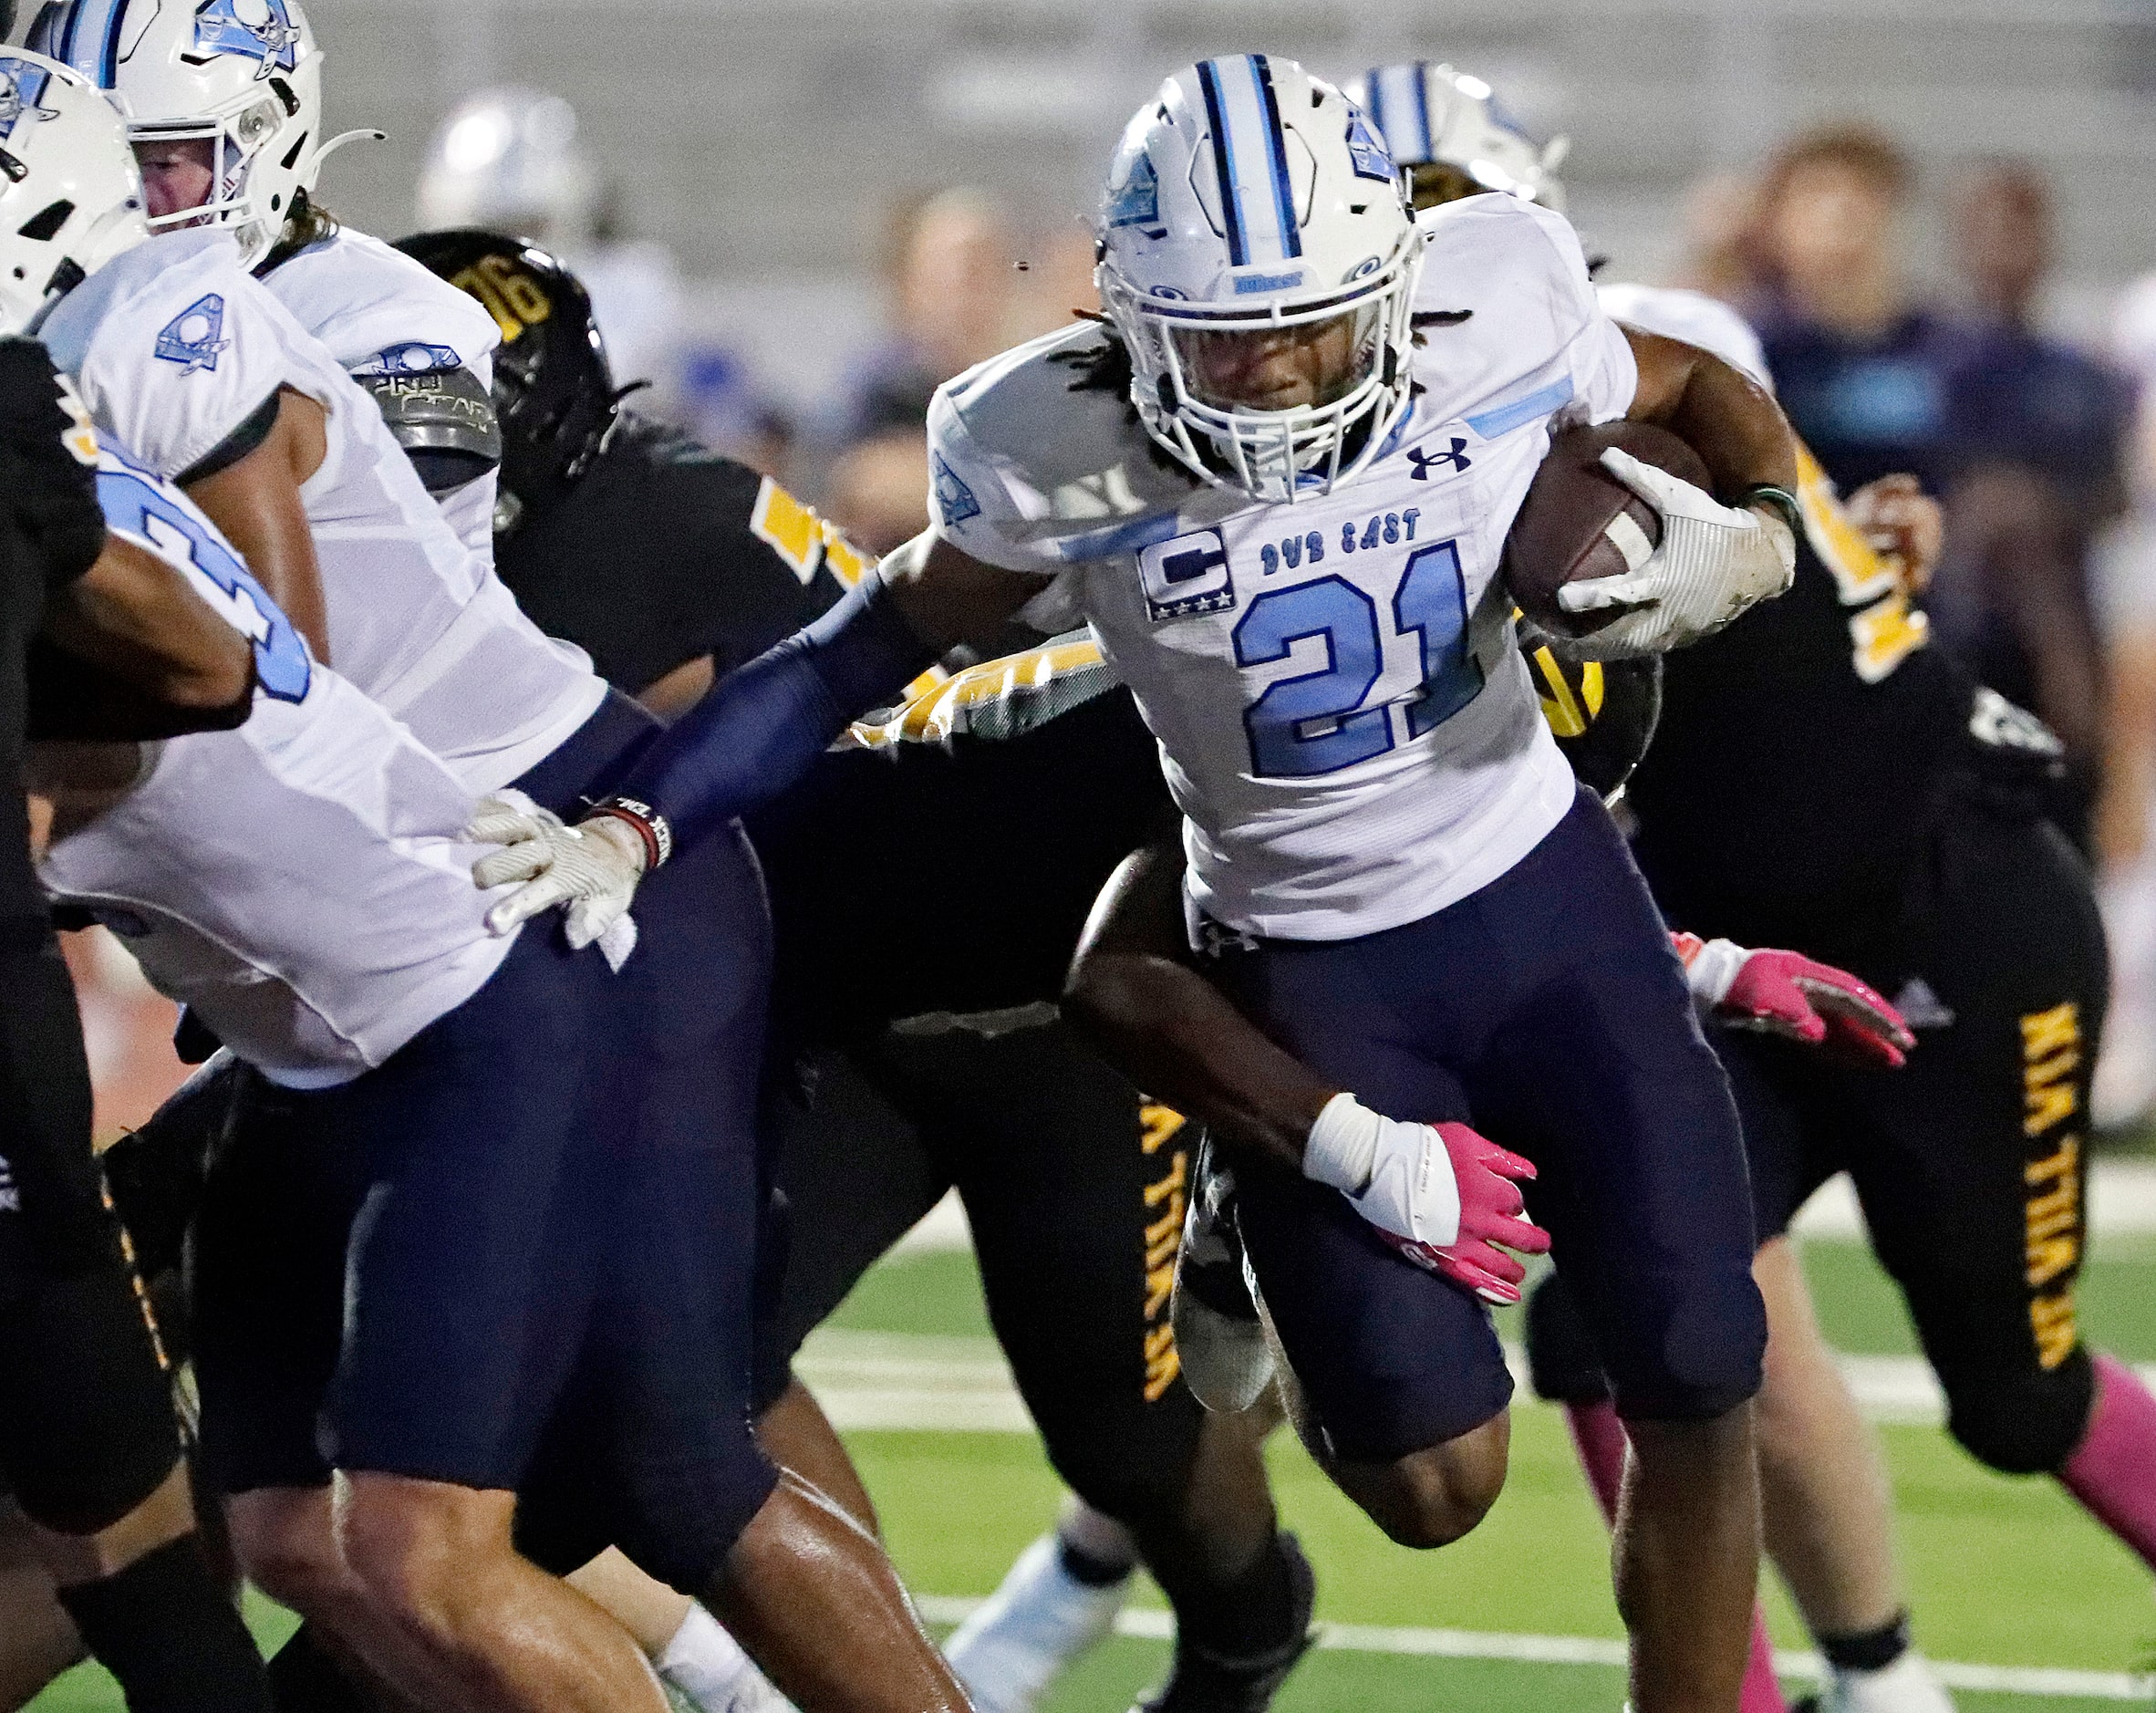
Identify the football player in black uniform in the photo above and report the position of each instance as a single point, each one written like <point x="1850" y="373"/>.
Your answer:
<point x="98" y="639"/>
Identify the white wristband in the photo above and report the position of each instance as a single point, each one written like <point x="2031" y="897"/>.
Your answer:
<point x="1713" y="970"/>
<point x="1342" y="1146"/>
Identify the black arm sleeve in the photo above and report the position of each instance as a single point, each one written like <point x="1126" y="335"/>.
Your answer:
<point x="70" y="700"/>
<point x="50" y="470"/>
<point x="237" y="444"/>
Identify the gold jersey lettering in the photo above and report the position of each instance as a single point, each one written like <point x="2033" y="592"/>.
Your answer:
<point x="1162" y="1364"/>
<point x="2052" y="1320"/>
<point x="2051" y="1054"/>
<point x="1888" y="630"/>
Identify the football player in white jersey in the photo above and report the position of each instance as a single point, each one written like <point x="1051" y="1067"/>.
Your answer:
<point x="224" y="105"/>
<point x="1277" y="484"/>
<point x="440" y="1402"/>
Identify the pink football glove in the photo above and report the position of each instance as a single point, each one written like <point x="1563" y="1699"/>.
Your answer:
<point x="1440" y="1194"/>
<point x="1787" y="994"/>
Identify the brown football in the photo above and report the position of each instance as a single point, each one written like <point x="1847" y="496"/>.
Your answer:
<point x="1567" y="529"/>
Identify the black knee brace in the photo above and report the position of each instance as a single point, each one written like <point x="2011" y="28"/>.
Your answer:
<point x="1563" y="1366"/>
<point x="86" y="1428"/>
<point x="2023" y="1423"/>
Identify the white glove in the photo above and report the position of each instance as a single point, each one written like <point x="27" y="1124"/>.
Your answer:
<point x="593" y="867"/>
<point x="1714" y="561"/>
<point x="1398" y="1176"/>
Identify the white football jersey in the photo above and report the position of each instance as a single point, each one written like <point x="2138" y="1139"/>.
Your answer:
<point x="1343" y="717"/>
<point x="378" y="311"/>
<point x="1678" y="313"/>
<point x="301" y="880"/>
<point x="174" y="347"/>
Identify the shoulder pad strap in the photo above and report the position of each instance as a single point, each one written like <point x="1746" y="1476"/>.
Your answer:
<point x="444" y="419"/>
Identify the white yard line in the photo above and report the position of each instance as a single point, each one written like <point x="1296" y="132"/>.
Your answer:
<point x="1585" y="1650"/>
<point x="910" y="1381"/>
<point x="2121" y="1202"/>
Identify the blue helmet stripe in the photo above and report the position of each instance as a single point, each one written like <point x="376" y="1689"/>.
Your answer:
<point x="89" y="39"/>
<point x="1231" y="207"/>
<point x="1276" y="141"/>
<point x="1422" y="112"/>
<point x="1373" y="102"/>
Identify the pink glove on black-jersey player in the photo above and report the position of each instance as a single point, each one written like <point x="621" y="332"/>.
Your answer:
<point x="1787" y="994"/>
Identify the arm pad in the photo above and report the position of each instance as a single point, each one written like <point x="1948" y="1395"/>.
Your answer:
<point x="757" y="730"/>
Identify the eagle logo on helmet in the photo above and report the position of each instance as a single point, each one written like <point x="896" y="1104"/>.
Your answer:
<point x="1367" y="151"/>
<point x="1137" y="201"/>
<point x="21" y="85"/>
<point x="260" y="29"/>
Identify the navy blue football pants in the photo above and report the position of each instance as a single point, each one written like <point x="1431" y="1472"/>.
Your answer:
<point x="1549" y="1010"/>
<point x="527" y="1240"/>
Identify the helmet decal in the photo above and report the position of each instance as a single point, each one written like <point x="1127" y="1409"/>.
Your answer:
<point x="1367" y="150"/>
<point x="259" y="30"/>
<point x="1250" y="159"/>
<point x="955" y="500"/>
<point x="1137" y="204"/>
<point x="22" y="93"/>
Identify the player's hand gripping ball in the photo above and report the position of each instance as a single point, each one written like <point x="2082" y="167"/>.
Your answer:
<point x="1440" y="1194"/>
<point x="592" y="870"/>
<point x="1619" y="550"/>
<point x="1786" y="993"/>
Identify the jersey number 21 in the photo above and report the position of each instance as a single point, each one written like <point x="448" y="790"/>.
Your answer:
<point x="1315" y="722"/>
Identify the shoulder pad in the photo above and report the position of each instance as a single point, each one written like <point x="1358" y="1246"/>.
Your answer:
<point x="444" y="418"/>
<point x="995" y="700"/>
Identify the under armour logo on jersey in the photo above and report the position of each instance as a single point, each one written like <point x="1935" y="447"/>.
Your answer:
<point x="1424" y="463"/>
<point x="954" y="500"/>
<point x="191" y="338"/>
<point x="261" y="29"/>
<point x="1921" y="1008"/>
<point x="1367" y="150"/>
<point x="410" y="358"/>
<point x="22" y="88"/>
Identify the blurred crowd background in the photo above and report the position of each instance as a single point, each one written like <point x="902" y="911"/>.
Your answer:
<point x="798" y="216"/>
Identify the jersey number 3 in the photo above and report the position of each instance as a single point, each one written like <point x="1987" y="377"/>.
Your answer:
<point x="1315" y="722"/>
<point x="132" y="507"/>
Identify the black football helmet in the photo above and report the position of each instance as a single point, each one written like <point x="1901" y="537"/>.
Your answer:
<point x="1604" y="713"/>
<point x="554" y="391"/>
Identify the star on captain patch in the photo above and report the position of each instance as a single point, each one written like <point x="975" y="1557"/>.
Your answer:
<point x="191" y="338"/>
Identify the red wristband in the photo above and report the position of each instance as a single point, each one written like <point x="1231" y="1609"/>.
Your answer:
<point x="650" y="826"/>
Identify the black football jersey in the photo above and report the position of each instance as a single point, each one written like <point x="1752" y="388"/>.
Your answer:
<point x="664" y="552"/>
<point x="1801" y="752"/>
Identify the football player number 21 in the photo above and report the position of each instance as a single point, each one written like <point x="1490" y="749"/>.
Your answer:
<point x="1315" y="722"/>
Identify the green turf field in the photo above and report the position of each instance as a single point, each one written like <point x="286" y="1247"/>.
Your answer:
<point x="2003" y="1574"/>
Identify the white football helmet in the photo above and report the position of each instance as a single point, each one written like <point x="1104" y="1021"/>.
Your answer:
<point x="70" y="198"/>
<point x="245" y="75"/>
<point x="1249" y="201"/>
<point x="510" y="160"/>
<point x="1434" y="116"/>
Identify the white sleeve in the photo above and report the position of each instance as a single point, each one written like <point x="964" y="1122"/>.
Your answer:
<point x="1605" y="376"/>
<point x="183" y="365"/>
<point x="972" y="504"/>
<point x="1694" y="317"/>
<point x="1508" y="320"/>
